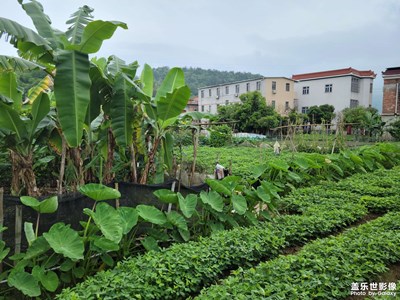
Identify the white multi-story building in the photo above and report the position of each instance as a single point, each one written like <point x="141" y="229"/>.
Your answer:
<point x="277" y="91"/>
<point x="341" y="88"/>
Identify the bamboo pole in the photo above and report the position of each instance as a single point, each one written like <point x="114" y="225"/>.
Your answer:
<point x="1" y="220"/>
<point x="116" y="186"/>
<point x="18" y="228"/>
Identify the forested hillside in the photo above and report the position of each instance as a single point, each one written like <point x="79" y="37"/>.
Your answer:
<point x="197" y="77"/>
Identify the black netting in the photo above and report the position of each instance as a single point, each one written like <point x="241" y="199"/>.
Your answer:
<point x="70" y="208"/>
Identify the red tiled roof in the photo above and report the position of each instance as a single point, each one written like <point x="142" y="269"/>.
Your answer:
<point x="334" y="73"/>
<point x="392" y="71"/>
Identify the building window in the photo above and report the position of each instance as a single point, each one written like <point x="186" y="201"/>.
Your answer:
<point x="237" y="89"/>
<point x="202" y="108"/>
<point x="328" y="88"/>
<point x="304" y="109"/>
<point x="371" y="86"/>
<point x="353" y="103"/>
<point x="217" y="92"/>
<point x="258" y="85"/>
<point x="306" y="90"/>
<point x="209" y="108"/>
<point x="355" y="85"/>
<point x="287" y="106"/>
<point x="209" y="92"/>
<point x="226" y="102"/>
<point x="287" y="87"/>
<point x="273" y="103"/>
<point x="274" y="85"/>
<point x="202" y="93"/>
<point x="226" y="90"/>
<point x="248" y="87"/>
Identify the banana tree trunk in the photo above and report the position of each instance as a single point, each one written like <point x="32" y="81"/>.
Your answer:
<point x="134" y="176"/>
<point x="150" y="161"/>
<point x="75" y="155"/>
<point x="195" y="138"/>
<point x="109" y="176"/>
<point x="22" y="172"/>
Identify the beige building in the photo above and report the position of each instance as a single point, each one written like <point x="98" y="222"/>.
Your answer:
<point x="277" y="91"/>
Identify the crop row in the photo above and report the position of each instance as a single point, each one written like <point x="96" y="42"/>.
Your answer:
<point x="377" y="191"/>
<point x="183" y="269"/>
<point x="325" y="269"/>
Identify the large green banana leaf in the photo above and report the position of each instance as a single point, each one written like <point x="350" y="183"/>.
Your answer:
<point x="72" y="91"/>
<point x="147" y="80"/>
<point x="78" y="22"/>
<point x="9" y="88"/>
<point x="122" y="112"/>
<point x="40" y="109"/>
<point x="174" y="79"/>
<point x="41" y="21"/>
<point x="10" y="63"/>
<point x="95" y="33"/>
<point x="172" y="104"/>
<point x="10" y="120"/>
<point x="18" y="33"/>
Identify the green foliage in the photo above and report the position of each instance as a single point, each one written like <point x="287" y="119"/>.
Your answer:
<point x="364" y="118"/>
<point x="188" y="267"/>
<point x="394" y="129"/>
<point x="220" y="136"/>
<point x="323" y="269"/>
<point x="197" y="77"/>
<point x="321" y="114"/>
<point x="252" y="115"/>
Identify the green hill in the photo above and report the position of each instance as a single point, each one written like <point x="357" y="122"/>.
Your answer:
<point x="196" y="77"/>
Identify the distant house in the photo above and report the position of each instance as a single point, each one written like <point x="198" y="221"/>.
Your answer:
<point x="277" y="91"/>
<point x="192" y="105"/>
<point x="391" y="90"/>
<point x="341" y="88"/>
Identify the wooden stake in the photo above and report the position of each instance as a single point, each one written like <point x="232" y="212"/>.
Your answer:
<point x="18" y="228"/>
<point x="116" y="200"/>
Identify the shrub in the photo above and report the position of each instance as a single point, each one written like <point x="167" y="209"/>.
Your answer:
<point x="220" y="136"/>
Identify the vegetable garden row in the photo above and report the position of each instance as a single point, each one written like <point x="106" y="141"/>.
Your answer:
<point x="324" y="268"/>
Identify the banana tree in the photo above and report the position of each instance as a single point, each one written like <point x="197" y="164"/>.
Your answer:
<point x="19" y="133"/>
<point x="65" y="54"/>
<point x="162" y="112"/>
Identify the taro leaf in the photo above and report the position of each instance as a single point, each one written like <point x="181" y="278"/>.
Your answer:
<point x="151" y="214"/>
<point x="219" y="186"/>
<point x="129" y="218"/>
<point x="99" y="192"/>
<point x="65" y="241"/>
<point x="279" y="165"/>
<point x="294" y="176"/>
<point x="105" y="244"/>
<point x="213" y="199"/>
<point x="38" y="247"/>
<point x="107" y="219"/>
<point x="24" y="282"/>
<point x="107" y="259"/>
<point x="259" y="170"/>
<point x="3" y="250"/>
<point x="239" y="204"/>
<point x="166" y="196"/>
<point x="150" y="244"/>
<point x="78" y="272"/>
<point x="67" y="265"/>
<point x="29" y="233"/>
<point x="263" y="195"/>
<point x="30" y="201"/>
<point x="187" y="205"/>
<point x="271" y="188"/>
<point x="48" y="205"/>
<point x="50" y="281"/>
<point x="179" y="221"/>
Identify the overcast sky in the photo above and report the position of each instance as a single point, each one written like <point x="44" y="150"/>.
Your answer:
<point x="272" y="38"/>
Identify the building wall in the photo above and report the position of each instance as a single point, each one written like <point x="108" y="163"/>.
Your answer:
<point x="390" y="95"/>
<point x="209" y="102"/>
<point x="340" y="96"/>
<point x="284" y="100"/>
